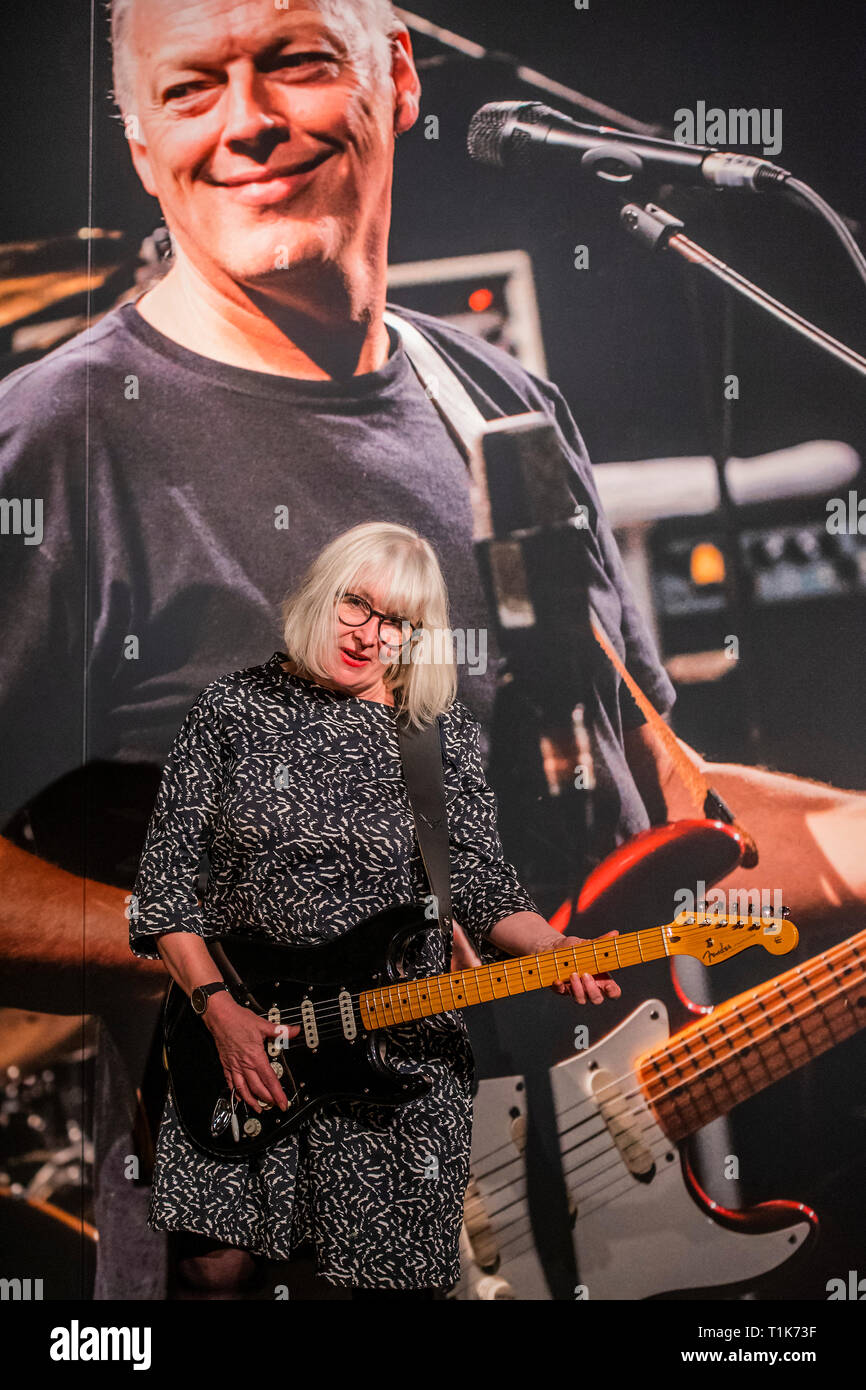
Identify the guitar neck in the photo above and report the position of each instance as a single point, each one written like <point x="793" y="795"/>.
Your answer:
<point x="756" y="1039"/>
<point x="437" y="994"/>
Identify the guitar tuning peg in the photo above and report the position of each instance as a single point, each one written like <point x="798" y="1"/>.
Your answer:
<point x="786" y="911"/>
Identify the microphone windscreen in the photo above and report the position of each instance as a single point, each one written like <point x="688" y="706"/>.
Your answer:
<point x="500" y="132"/>
<point x="484" y="140"/>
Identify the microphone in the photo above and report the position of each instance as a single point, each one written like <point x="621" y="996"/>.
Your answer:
<point x="510" y="134"/>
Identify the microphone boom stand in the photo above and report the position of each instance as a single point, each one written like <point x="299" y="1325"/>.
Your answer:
<point x="656" y="229"/>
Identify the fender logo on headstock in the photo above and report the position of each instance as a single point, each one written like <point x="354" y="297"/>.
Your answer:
<point x="721" y="949"/>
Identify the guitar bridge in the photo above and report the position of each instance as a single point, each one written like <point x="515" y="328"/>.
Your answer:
<point x="221" y="1117"/>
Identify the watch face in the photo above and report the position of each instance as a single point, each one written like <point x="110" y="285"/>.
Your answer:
<point x="198" y="999"/>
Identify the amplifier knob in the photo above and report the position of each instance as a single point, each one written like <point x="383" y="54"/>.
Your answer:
<point x="768" y="549"/>
<point x="802" y="547"/>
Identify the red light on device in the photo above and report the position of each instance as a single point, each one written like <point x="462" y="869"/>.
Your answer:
<point x="479" y="300"/>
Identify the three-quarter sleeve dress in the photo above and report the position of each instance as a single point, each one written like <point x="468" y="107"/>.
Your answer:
<point x="295" y="794"/>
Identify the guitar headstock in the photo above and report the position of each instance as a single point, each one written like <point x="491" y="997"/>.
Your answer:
<point x="715" y="936"/>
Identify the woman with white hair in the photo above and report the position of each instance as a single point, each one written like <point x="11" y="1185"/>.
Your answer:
<point x="288" y="775"/>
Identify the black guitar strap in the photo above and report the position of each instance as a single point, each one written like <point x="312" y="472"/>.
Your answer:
<point x="466" y="423"/>
<point x="421" y="754"/>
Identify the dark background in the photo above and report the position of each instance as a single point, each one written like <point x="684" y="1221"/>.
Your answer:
<point x="634" y="342"/>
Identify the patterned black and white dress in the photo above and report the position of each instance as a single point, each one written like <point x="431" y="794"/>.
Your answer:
<point x="296" y="794"/>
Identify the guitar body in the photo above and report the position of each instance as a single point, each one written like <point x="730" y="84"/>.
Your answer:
<point x="649" y="1232"/>
<point x="636" y="883"/>
<point x="342" y="994"/>
<point x="641" y="1225"/>
<point x="287" y="978"/>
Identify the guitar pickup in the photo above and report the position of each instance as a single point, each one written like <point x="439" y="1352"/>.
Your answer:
<point x="308" y="1020"/>
<point x="347" y="1016"/>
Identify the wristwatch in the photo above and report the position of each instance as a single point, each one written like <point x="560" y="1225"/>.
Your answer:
<point x="202" y="993"/>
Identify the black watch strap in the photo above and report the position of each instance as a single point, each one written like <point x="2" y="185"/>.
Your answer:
<point x="202" y="993"/>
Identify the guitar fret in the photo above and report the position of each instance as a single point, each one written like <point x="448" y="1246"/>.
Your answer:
<point x="408" y="1000"/>
<point x="415" y="1010"/>
<point x="546" y="970"/>
<point x="499" y="982"/>
<point x="425" y="1004"/>
<point x="741" y="1053"/>
<point x="395" y="1002"/>
<point x="460" y="998"/>
<point x="437" y="981"/>
<point x="449" y="982"/>
<point x="399" y="1001"/>
<point x="757" y="1039"/>
<point x="718" y="1074"/>
<point x="482" y="978"/>
<point x="829" y="1018"/>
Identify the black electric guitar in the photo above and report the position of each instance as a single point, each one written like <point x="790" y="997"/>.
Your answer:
<point x="344" y="992"/>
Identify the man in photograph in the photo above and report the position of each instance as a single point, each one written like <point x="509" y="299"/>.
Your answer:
<point x="195" y="449"/>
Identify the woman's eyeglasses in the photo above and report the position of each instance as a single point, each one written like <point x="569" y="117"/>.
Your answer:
<point x="355" y="611"/>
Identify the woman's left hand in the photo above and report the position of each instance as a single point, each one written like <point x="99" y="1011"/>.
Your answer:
<point x="588" y="988"/>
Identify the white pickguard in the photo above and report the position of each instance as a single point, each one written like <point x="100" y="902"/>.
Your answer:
<point x="633" y="1238"/>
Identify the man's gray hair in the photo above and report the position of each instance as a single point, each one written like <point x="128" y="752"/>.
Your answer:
<point x="382" y="16"/>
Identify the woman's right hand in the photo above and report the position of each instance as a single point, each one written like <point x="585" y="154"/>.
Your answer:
<point x="240" y="1036"/>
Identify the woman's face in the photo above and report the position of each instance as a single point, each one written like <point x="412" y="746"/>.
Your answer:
<point x="360" y="658"/>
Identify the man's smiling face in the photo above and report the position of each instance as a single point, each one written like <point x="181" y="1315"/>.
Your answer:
<point x="267" y="133"/>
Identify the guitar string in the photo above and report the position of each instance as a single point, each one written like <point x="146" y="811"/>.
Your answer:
<point x="583" y="1194"/>
<point x="609" y="1149"/>
<point x="638" y="1092"/>
<point x="763" y="1017"/>
<point x="746" y="1030"/>
<point x="602" y="1133"/>
<point x="624" y="1175"/>
<point x="630" y="941"/>
<point x="661" y="1143"/>
<point x="648" y="1122"/>
<point x="657" y="1147"/>
<point x="833" y="988"/>
<point x="624" y="1180"/>
<point x="330" y="1009"/>
<point x="588" y="1189"/>
<point x="753" y="1031"/>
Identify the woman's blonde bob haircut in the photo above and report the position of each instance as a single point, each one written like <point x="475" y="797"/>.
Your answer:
<point x="403" y="569"/>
